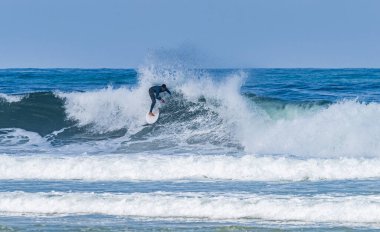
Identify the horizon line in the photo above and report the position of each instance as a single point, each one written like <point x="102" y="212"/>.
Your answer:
<point x="136" y="68"/>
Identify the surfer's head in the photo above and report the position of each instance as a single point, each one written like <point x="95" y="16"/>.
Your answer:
<point x="163" y="86"/>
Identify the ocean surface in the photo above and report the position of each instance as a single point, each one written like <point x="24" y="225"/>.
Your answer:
<point x="233" y="150"/>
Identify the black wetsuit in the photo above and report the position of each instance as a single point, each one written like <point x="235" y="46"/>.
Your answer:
<point x="154" y="93"/>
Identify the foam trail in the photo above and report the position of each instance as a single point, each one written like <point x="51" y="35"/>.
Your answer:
<point x="19" y="138"/>
<point x="319" y="208"/>
<point x="174" y="167"/>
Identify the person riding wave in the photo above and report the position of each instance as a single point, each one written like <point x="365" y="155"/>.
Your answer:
<point x="154" y="93"/>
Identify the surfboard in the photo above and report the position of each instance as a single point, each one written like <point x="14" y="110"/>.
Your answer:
<point x="152" y="119"/>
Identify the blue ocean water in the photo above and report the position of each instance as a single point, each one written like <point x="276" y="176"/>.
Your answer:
<point x="233" y="150"/>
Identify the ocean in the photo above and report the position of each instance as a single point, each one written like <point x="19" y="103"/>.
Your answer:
<point x="233" y="150"/>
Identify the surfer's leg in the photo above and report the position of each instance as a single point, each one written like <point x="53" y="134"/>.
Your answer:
<point x="153" y="101"/>
<point x="152" y="105"/>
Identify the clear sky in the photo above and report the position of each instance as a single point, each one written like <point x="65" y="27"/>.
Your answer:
<point x="219" y="33"/>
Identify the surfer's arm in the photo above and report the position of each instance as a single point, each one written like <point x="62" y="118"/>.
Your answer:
<point x="168" y="92"/>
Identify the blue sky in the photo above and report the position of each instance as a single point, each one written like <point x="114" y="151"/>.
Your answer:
<point x="212" y="33"/>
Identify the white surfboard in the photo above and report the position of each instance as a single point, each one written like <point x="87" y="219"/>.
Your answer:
<point x="152" y="119"/>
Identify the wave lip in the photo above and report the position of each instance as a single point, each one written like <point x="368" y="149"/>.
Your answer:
<point x="179" y="167"/>
<point x="11" y="98"/>
<point x="318" y="208"/>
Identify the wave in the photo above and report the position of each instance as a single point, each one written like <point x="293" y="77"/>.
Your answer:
<point x="203" y="108"/>
<point x="313" y="209"/>
<point x="203" y="111"/>
<point x="184" y="167"/>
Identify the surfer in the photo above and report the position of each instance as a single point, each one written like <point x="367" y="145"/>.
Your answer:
<point x="154" y="93"/>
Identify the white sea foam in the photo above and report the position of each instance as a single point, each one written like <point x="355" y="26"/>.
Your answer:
<point x="174" y="167"/>
<point x="107" y="109"/>
<point x="319" y="208"/>
<point x="11" y="98"/>
<point x="347" y="128"/>
<point x="19" y="137"/>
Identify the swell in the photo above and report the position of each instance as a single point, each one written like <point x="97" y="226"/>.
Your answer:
<point x="278" y="109"/>
<point x="37" y="112"/>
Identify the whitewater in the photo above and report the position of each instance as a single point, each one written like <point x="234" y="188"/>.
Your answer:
<point x="254" y="149"/>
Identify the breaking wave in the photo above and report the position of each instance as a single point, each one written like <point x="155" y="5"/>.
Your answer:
<point x="312" y="209"/>
<point x="203" y="111"/>
<point x="185" y="167"/>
